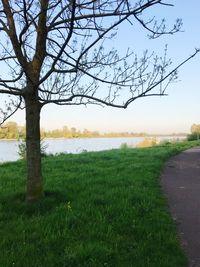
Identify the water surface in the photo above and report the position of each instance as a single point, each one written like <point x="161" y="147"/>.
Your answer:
<point x="9" y="148"/>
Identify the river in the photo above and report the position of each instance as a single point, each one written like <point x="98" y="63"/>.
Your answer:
<point x="9" y="148"/>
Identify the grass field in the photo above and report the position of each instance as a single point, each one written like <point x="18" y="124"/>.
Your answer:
<point x="101" y="209"/>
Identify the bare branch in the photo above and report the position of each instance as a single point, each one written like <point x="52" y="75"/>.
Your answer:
<point x="115" y="13"/>
<point x="144" y="93"/>
<point x="9" y="112"/>
<point x="162" y="80"/>
<point x="13" y="35"/>
<point x="10" y="91"/>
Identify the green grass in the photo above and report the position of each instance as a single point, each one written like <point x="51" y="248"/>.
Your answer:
<point x="101" y="209"/>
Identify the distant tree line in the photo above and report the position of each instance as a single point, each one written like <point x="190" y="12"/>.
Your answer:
<point x="11" y="130"/>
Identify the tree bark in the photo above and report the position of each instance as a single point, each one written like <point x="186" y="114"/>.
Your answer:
<point x="33" y="155"/>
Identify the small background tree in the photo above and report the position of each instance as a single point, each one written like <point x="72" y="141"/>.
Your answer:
<point x="195" y="132"/>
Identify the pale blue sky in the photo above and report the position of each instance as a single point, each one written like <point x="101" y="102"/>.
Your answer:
<point x="174" y="113"/>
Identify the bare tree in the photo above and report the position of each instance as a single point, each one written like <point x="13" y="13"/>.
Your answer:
<point x="55" y="52"/>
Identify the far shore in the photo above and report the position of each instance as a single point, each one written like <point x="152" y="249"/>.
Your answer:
<point x="87" y="137"/>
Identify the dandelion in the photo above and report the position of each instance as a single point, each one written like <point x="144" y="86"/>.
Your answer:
<point x="69" y="205"/>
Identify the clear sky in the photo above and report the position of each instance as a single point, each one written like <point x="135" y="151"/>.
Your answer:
<point x="173" y="113"/>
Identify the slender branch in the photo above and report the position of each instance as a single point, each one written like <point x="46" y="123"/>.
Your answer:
<point x="10" y="92"/>
<point x="162" y="80"/>
<point x="7" y="58"/>
<point x="12" y="113"/>
<point x="13" y="80"/>
<point x="157" y="31"/>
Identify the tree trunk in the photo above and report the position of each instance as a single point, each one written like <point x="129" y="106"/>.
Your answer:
<point x="33" y="155"/>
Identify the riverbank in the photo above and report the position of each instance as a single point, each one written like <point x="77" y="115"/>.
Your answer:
<point x="106" y="137"/>
<point x="101" y="209"/>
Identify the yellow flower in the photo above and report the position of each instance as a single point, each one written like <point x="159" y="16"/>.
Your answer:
<point x="69" y="205"/>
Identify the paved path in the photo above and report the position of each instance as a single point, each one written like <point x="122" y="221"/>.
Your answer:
<point x="181" y="184"/>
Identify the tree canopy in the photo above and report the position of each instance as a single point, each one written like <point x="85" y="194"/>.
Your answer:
<point x="60" y="47"/>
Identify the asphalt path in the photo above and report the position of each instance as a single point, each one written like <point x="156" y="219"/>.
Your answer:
<point x="180" y="182"/>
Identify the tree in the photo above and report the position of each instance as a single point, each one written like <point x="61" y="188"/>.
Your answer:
<point x="195" y="130"/>
<point x="12" y="131"/>
<point x="55" y="52"/>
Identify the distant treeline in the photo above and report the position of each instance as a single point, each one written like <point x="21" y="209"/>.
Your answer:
<point x="11" y="130"/>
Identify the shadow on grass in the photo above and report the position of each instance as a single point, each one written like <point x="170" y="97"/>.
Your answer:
<point x="16" y="205"/>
